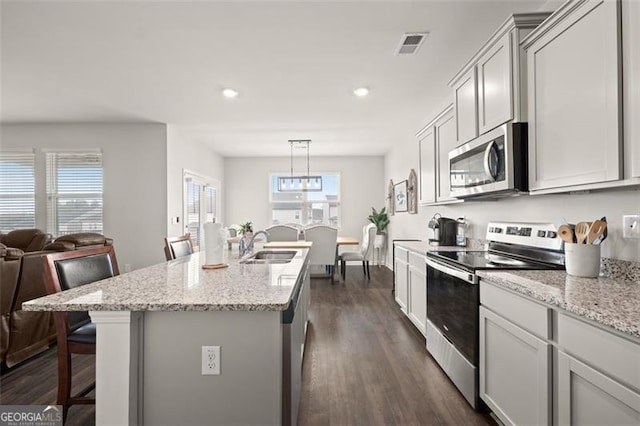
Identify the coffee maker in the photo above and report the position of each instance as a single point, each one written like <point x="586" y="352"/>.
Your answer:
<point x="444" y="231"/>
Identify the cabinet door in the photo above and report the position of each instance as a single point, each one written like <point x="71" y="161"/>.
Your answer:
<point x="631" y="85"/>
<point x="585" y="396"/>
<point x="401" y="284"/>
<point x="418" y="297"/>
<point x="514" y="372"/>
<point x="574" y="111"/>
<point x="465" y="98"/>
<point x="427" y="152"/>
<point x="495" y="96"/>
<point x="445" y="142"/>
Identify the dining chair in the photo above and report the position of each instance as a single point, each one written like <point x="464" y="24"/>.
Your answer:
<point x="75" y="333"/>
<point x="323" y="250"/>
<point x="364" y="255"/>
<point x="282" y="233"/>
<point x="175" y="247"/>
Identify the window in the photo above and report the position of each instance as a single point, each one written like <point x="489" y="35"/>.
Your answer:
<point x="306" y="208"/>
<point x="200" y="204"/>
<point x="17" y="190"/>
<point x="74" y="192"/>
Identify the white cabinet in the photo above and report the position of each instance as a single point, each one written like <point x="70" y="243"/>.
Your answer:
<point x="465" y="100"/>
<point x="435" y="141"/>
<point x="515" y="371"/>
<point x="445" y="139"/>
<point x="417" y="284"/>
<point x="400" y="273"/>
<point x="586" y="396"/>
<point x="631" y="86"/>
<point x="427" y="155"/>
<point x="574" y="96"/>
<point x="494" y="69"/>
<point x="532" y="359"/>
<point x="515" y="364"/>
<point x="491" y="88"/>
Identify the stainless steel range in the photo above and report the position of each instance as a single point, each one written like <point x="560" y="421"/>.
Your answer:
<point x="453" y="296"/>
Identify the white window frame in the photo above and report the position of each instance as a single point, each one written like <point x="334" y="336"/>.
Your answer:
<point x="53" y="196"/>
<point x="304" y="220"/>
<point x="205" y="183"/>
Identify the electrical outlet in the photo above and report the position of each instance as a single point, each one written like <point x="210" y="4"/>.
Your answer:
<point x="210" y="360"/>
<point x="631" y="226"/>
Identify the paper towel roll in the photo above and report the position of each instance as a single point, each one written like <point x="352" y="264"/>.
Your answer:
<point x="213" y="243"/>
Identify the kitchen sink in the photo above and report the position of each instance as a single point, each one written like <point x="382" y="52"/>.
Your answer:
<point x="268" y="257"/>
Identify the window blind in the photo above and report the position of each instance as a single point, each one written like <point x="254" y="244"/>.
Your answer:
<point x="17" y="190"/>
<point x="74" y="192"/>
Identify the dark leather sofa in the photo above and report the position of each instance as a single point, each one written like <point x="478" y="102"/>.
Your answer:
<point x="32" y="332"/>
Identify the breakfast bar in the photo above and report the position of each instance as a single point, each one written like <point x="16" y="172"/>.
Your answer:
<point x="153" y="323"/>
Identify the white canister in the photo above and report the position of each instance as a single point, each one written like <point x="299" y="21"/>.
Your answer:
<point x="582" y="260"/>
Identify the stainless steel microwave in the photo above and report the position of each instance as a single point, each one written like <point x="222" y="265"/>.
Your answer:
<point x="494" y="164"/>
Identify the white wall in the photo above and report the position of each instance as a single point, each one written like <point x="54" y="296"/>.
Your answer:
<point x="135" y="179"/>
<point x="540" y="208"/>
<point x="185" y="153"/>
<point x="247" y="188"/>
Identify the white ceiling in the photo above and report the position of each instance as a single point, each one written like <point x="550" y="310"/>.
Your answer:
<point x="295" y="64"/>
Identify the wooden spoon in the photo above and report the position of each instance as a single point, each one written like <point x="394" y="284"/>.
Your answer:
<point x="596" y="229"/>
<point x="565" y="233"/>
<point x="582" y="230"/>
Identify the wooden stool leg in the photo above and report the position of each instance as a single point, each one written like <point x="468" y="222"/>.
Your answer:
<point x="64" y="381"/>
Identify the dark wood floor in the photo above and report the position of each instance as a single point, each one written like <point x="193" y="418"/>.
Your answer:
<point x="365" y="364"/>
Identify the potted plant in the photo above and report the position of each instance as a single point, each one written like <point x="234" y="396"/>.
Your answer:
<point x="381" y="220"/>
<point x="245" y="227"/>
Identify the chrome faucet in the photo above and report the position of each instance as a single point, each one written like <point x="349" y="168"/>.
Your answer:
<point x="245" y="247"/>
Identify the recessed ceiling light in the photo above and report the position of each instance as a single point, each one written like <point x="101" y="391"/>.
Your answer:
<point x="229" y="93"/>
<point x="361" y="91"/>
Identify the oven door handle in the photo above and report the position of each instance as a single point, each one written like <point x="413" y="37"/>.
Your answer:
<point x="463" y="275"/>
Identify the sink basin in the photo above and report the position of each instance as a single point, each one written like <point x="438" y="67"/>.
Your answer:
<point x="263" y="261"/>
<point x="265" y="254"/>
<point x="268" y="257"/>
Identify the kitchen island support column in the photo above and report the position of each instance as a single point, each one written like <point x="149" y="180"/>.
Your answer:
<point x="118" y="367"/>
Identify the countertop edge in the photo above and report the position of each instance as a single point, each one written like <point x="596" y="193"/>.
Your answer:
<point x="623" y="327"/>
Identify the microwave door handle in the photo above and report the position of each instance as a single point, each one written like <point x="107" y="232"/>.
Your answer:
<point x="465" y="276"/>
<point x="490" y="161"/>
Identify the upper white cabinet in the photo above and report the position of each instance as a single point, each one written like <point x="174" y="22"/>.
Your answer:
<point x="465" y="96"/>
<point x="445" y="139"/>
<point x="435" y="141"/>
<point x="491" y="88"/>
<point x="574" y="96"/>
<point x="427" y="155"/>
<point x="631" y="86"/>
<point x="495" y="96"/>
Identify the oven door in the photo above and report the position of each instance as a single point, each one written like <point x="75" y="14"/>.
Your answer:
<point x="453" y="306"/>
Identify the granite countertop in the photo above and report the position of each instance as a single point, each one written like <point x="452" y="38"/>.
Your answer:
<point x="182" y="285"/>
<point x="422" y="247"/>
<point x="613" y="302"/>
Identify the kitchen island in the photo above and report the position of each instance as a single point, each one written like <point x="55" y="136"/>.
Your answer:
<point x="153" y="323"/>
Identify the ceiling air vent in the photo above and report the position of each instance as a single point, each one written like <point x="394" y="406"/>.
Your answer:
<point x="410" y="43"/>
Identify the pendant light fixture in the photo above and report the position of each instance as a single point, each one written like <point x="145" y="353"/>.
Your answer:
<point x="299" y="183"/>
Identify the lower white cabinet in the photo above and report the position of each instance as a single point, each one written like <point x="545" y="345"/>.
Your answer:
<point x="400" y="272"/>
<point x="582" y="373"/>
<point x="586" y="396"/>
<point x="515" y="372"/>
<point x="410" y="284"/>
<point x="417" y="285"/>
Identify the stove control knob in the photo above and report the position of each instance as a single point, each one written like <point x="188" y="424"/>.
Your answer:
<point x="551" y="234"/>
<point x="541" y="234"/>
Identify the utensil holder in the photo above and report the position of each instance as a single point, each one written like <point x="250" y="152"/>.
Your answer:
<point x="582" y="260"/>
